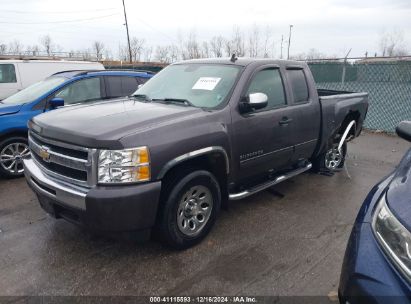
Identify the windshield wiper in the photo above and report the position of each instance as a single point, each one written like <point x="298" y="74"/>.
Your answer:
<point x="141" y="96"/>
<point x="175" y="100"/>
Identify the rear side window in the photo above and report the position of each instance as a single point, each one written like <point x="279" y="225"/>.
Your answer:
<point x="128" y="85"/>
<point x="118" y="86"/>
<point x="269" y="82"/>
<point x="298" y="85"/>
<point x="7" y="73"/>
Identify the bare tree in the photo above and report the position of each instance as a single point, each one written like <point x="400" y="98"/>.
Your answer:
<point x="268" y="43"/>
<point x="108" y="55"/>
<point x="148" y="52"/>
<point x="228" y="47"/>
<point x="205" y="50"/>
<point x="392" y="43"/>
<point x="3" y="48"/>
<point x="47" y="44"/>
<point x="15" y="47"/>
<point x="173" y="52"/>
<point x="33" y="50"/>
<point x="237" y="42"/>
<point x="314" y="54"/>
<point x="216" y="46"/>
<point x="254" y="41"/>
<point x="98" y="48"/>
<point x="192" y="48"/>
<point x="137" y="48"/>
<point x="162" y="53"/>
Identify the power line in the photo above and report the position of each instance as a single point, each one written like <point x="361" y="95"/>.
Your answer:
<point x="57" y="22"/>
<point x="56" y="12"/>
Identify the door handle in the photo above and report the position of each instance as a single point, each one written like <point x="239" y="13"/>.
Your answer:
<point x="285" y="121"/>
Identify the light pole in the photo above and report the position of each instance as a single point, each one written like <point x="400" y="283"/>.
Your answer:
<point x="282" y="39"/>
<point x="128" y="36"/>
<point x="289" y="42"/>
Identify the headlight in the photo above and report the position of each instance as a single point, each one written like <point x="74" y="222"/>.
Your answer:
<point x="394" y="238"/>
<point x="124" y="166"/>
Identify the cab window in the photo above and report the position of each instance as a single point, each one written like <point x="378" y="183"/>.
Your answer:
<point x="87" y="89"/>
<point x="299" y="85"/>
<point x="269" y="82"/>
<point x="7" y="73"/>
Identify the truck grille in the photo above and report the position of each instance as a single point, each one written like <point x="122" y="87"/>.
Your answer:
<point x="63" y="161"/>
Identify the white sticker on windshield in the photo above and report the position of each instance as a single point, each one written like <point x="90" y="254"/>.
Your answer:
<point x="206" y="83"/>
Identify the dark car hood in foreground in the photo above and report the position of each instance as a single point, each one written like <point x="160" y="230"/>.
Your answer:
<point x="399" y="192"/>
<point x="6" y="109"/>
<point x="101" y="124"/>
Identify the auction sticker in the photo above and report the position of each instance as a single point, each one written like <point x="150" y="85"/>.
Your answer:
<point x="206" y="83"/>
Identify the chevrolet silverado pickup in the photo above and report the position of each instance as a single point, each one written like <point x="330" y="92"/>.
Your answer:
<point x="198" y="134"/>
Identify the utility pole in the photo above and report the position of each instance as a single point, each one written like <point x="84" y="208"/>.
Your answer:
<point x="282" y="39"/>
<point x="289" y="42"/>
<point x="128" y="36"/>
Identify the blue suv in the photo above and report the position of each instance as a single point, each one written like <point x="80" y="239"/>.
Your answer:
<point x="61" y="89"/>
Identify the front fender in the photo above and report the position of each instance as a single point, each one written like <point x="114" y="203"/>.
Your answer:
<point x="193" y="154"/>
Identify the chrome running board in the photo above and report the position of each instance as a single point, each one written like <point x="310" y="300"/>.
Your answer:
<point x="261" y="187"/>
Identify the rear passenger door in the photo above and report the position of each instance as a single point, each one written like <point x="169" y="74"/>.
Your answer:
<point x="306" y="112"/>
<point x="118" y="86"/>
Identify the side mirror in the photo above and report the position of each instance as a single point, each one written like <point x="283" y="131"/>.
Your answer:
<point x="56" y="102"/>
<point x="404" y="130"/>
<point x="253" y="101"/>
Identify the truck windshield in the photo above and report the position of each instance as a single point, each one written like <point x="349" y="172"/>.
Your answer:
<point x="201" y="85"/>
<point x="34" y="91"/>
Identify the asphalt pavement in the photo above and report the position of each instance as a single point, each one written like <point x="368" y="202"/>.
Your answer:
<point x="263" y="245"/>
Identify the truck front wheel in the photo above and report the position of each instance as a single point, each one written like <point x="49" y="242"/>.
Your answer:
<point x="189" y="208"/>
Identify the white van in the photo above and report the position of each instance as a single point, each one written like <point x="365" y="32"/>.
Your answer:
<point x="16" y="75"/>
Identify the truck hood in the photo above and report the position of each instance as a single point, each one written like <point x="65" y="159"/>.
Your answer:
<point x="6" y="109"/>
<point x="101" y="125"/>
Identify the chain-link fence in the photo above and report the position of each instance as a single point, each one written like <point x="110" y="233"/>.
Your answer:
<point x="387" y="81"/>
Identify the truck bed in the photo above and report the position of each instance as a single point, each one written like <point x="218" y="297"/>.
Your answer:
<point x="335" y="107"/>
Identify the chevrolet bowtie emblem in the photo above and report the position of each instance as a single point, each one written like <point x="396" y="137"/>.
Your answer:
<point x="44" y="154"/>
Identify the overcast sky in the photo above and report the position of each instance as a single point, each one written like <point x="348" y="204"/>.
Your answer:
<point x="332" y="27"/>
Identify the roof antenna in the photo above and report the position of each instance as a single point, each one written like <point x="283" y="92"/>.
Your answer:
<point x="233" y="58"/>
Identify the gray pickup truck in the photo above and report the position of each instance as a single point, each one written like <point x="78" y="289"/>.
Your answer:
<point x="196" y="135"/>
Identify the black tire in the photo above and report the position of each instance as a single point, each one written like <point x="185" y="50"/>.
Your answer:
<point x="319" y="163"/>
<point x="19" y="140"/>
<point x="175" y="187"/>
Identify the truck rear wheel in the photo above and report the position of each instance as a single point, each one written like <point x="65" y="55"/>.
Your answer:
<point x="190" y="207"/>
<point x="12" y="152"/>
<point x="332" y="159"/>
<point x="335" y="159"/>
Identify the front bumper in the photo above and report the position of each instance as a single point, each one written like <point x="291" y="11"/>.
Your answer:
<point x="104" y="208"/>
<point x="367" y="275"/>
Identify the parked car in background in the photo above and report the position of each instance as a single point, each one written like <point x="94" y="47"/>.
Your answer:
<point x="377" y="262"/>
<point x="16" y="75"/>
<point x="198" y="133"/>
<point x="61" y="89"/>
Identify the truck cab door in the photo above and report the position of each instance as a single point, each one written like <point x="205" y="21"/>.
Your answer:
<point x="262" y="143"/>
